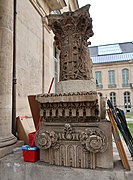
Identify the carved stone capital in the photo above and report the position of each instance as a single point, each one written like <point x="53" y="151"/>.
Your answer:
<point x="92" y="139"/>
<point x="72" y="31"/>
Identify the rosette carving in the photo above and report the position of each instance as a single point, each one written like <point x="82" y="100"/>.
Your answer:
<point x="94" y="140"/>
<point x="45" y="139"/>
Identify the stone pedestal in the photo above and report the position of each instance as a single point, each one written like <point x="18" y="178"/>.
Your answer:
<point x="73" y="153"/>
<point x="6" y="67"/>
<point x="71" y="133"/>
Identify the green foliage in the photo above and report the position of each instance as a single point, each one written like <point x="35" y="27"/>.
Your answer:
<point x="129" y="115"/>
<point x="130" y="125"/>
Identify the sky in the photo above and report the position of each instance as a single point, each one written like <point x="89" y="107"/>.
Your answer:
<point x="112" y="20"/>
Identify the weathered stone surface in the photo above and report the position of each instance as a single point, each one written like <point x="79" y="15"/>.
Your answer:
<point x="70" y="133"/>
<point x="75" y="85"/>
<point x="29" y="55"/>
<point x="13" y="167"/>
<point x="7" y="150"/>
<point x="69" y="107"/>
<point x="84" y="145"/>
<point x="72" y="30"/>
<point x="6" y="63"/>
<point x="67" y="97"/>
<point x="129" y="175"/>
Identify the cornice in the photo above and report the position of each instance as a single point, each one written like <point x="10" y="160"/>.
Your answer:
<point x="113" y="63"/>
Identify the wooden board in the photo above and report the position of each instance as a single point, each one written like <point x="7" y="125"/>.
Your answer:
<point x="35" y="109"/>
<point x="118" y="141"/>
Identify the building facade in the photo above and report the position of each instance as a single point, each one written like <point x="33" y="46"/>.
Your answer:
<point x="113" y="72"/>
<point x="27" y="57"/>
<point x="36" y="54"/>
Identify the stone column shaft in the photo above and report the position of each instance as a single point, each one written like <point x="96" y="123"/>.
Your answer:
<point x="6" y="67"/>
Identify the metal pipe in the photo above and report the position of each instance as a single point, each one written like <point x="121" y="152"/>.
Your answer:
<point x="14" y="72"/>
<point x="43" y="51"/>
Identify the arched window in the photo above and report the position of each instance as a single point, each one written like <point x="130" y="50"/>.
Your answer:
<point x="56" y="62"/>
<point x="127" y="101"/>
<point x="125" y="77"/>
<point x="113" y="98"/>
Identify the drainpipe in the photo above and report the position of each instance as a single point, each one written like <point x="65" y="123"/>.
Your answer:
<point x="14" y="72"/>
<point x="43" y="52"/>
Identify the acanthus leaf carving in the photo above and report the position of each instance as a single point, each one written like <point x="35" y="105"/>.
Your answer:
<point x="72" y="31"/>
<point x="92" y="139"/>
<point x="68" y="132"/>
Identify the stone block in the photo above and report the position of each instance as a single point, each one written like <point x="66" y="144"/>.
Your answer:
<point x="9" y="149"/>
<point x="69" y="150"/>
<point x="75" y="86"/>
<point x="129" y="175"/>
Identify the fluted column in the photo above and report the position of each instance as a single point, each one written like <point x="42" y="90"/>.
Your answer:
<point x="6" y="67"/>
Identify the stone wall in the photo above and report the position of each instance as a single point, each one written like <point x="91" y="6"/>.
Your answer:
<point x="34" y="56"/>
<point x="34" y="64"/>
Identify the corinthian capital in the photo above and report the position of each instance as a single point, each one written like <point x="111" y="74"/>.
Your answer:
<point x="72" y="31"/>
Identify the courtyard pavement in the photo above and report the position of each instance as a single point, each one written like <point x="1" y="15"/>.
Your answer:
<point x="13" y="167"/>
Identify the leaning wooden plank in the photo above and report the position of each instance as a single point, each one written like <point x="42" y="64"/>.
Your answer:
<point x="35" y="109"/>
<point x="118" y="141"/>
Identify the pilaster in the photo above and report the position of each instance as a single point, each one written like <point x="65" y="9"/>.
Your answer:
<point x="6" y="67"/>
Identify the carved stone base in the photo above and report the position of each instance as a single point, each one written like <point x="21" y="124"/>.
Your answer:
<point x="84" y="145"/>
<point x="75" y="85"/>
<point x="7" y="141"/>
<point x="72" y="133"/>
<point x="9" y="149"/>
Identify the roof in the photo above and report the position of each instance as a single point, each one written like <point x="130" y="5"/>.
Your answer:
<point x="112" y="52"/>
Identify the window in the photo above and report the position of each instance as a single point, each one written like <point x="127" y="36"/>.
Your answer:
<point x="56" y="69"/>
<point x="111" y="75"/>
<point x="55" y="56"/>
<point x="98" y="76"/>
<point x="125" y="77"/>
<point x="109" y="49"/>
<point x="127" y="101"/>
<point x="113" y="98"/>
<point x="100" y="94"/>
<point x="56" y="12"/>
